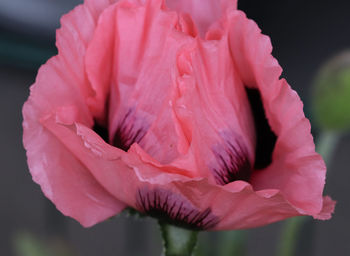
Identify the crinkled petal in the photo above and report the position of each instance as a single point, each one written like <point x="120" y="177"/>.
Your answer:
<point x="110" y="166"/>
<point x="327" y="209"/>
<point x="234" y="206"/>
<point x="237" y="205"/>
<point x="296" y="169"/>
<point x="63" y="178"/>
<point x="144" y="40"/>
<point x="72" y="40"/>
<point x="213" y="110"/>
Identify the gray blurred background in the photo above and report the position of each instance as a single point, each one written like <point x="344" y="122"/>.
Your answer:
<point x="304" y="35"/>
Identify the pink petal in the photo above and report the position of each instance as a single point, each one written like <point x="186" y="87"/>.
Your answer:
<point x="327" y="209"/>
<point x="144" y="40"/>
<point x="113" y="167"/>
<point x="234" y="206"/>
<point x="296" y="169"/>
<point x="63" y="178"/>
<point x="237" y="205"/>
<point x="73" y="38"/>
<point x="212" y="106"/>
<point x="205" y="13"/>
<point x="110" y="166"/>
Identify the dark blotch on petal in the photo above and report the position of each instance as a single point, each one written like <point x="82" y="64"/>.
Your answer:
<point x="232" y="163"/>
<point x="266" y="138"/>
<point x="127" y="132"/>
<point x="174" y="209"/>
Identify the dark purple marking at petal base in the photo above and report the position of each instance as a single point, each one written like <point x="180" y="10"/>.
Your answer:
<point x="232" y="163"/>
<point x="129" y="131"/>
<point x="174" y="209"/>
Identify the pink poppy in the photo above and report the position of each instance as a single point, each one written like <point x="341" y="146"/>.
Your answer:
<point x="174" y="108"/>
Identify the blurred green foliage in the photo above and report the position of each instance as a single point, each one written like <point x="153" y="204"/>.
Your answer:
<point x="331" y="95"/>
<point x="27" y="244"/>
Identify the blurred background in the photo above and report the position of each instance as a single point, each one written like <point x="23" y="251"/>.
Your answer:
<point x="304" y="34"/>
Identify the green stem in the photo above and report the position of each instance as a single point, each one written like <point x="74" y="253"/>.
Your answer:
<point x="327" y="143"/>
<point x="178" y="241"/>
<point x="232" y="243"/>
<point x="289" y="239"/>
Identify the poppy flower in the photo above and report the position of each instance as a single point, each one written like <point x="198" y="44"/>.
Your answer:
<point x="176" y="109"/>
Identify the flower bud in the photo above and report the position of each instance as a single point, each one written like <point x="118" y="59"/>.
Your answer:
<point x="331" y="94"/>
